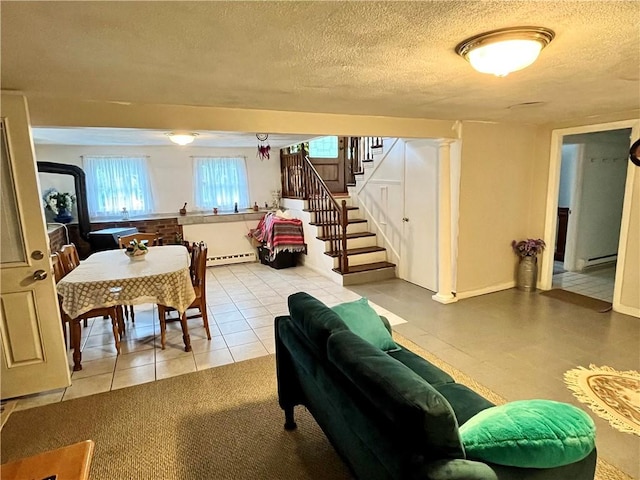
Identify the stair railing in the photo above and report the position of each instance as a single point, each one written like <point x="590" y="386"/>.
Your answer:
<point x="301" y="180"/>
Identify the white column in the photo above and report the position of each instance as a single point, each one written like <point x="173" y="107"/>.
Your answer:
<point x="445" y="277"/>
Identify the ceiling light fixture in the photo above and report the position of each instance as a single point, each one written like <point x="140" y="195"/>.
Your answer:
<point x="182" y="138"/>
<point x="507" y="50"/>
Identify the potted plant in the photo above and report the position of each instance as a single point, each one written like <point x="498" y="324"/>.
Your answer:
<point x="136" y="250"/>
<point x="528" y="251"/>
<point x="60" y="204"/>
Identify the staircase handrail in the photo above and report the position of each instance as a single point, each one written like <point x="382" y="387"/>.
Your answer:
<point x="340" y="209"/>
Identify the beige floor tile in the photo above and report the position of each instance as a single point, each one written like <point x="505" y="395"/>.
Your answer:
<point x="171" y="351"/>
<point x="95" y="367"/>
<point x="233" y="327"/>
<point x="254" y="312"/>
<point x="201" y="345"/>
<point x="40" y="399"/>
<point x="88" y="386"/>
<point x="213" y="358"/>
<point x="134" y="376"/>
<point x="136" y="345"/>
<point x="223" y="308"/>
<point x="175" y="366"/>
<point x="264" y="333"/>
<point x="135" y="359"/>
<point x="226" y="317"/>
<point x="269" y="344"/>
<point x="99" y="340"/>
<point x="244" y="304"/>
<point x="96" y="353"/>
<point x="262" y="321"/>
<point x="248" y="351"/>
<point x="240" y="338"/>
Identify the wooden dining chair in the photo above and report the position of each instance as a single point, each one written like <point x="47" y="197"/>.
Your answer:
<point x="153" y="239"/>
<point x="114" y="313"/>
<point x="69" y="260"/>
<point x="199" y="285"/>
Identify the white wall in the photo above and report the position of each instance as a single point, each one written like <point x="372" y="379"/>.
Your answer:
<point x="171" y="170"/>
<point x="604" y="170"/>
<point x="567" y="175"/>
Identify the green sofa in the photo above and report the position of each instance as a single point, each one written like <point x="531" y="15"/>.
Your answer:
<point x="388" y="415"/>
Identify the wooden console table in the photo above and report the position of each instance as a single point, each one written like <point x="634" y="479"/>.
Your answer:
<point x="66" y="463"/>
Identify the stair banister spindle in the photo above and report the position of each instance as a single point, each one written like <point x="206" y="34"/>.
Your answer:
<point x="343" y="226"/>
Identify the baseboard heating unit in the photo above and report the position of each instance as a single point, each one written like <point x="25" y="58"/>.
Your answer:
<point x="232" y="258"/>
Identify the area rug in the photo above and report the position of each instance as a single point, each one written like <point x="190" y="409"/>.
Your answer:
<point x="222" y="423"/>
<point x="576" y="299"/>
<point x="5" y="410"/>
<point x="611" y="394"/>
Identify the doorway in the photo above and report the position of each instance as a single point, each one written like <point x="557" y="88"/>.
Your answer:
<point x="590" y="198"/>
<point x="600" y="191"/>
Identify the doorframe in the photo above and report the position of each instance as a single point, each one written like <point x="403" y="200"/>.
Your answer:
<point x="553" y="189"/>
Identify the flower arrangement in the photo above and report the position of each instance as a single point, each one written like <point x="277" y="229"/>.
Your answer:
<point x="529" y="247"/>
<point x="56" y="201"/>
<point x="137" y="250"/>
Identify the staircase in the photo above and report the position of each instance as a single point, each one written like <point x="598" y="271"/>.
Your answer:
<point x="341" y="233"/>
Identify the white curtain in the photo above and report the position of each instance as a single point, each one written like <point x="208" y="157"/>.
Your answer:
<point x="117" y="182"/>
<point x="220" y="182"/>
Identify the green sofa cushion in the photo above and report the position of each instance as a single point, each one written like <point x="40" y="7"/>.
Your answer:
<point x="400" y="398"/>
<point x="366" y="323"/>
<point x="465" y="402"/>
<point x="432" y="374"/>
<point x="529" y="433"/>
<point x="315" y="319"/>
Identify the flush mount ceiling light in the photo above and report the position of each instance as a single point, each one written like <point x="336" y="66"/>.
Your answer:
<point x="507" y="50"/>
<point x="182" y="138"/>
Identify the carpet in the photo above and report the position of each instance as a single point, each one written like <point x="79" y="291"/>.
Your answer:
<point x="222" y="423"/>
<point x="576" y="299"/>
<point x="611" y="394"/>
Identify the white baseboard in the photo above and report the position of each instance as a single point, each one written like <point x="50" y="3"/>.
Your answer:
<point x="484" y="291"/>
<point x="631" y="311"/>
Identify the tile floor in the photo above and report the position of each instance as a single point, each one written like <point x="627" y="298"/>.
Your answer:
<point x="596" y="282"/>
<point x="242" y="302"/>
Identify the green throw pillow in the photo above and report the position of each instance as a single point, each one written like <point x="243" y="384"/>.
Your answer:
<point x="365" y="322"/>
<point x="529" y="433"/>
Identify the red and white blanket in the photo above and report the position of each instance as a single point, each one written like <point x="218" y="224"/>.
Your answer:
<point x="279" y="234"/>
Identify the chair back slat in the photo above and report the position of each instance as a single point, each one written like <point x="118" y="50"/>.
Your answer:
<point x="200" y="272"/>
<point x="58" y="269"/>
<point x="69" y="257"/>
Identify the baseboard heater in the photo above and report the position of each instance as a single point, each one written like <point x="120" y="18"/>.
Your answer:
<point x="231" y="258"/>
<point x="592" y="262"/>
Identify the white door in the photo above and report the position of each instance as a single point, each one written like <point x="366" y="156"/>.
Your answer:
<point x="31" y="343"/>
<point x="419" y="256"/>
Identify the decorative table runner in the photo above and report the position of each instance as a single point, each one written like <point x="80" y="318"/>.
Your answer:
<point x="111" y="278"/>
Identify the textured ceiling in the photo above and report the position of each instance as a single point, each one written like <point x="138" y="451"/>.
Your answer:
<point x="370" y="58"/>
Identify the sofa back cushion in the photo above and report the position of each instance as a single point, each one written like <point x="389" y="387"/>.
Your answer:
<point x="314" y="319"/>
<point x="408" y="403"/>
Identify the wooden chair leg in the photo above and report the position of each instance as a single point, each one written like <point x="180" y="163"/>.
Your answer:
<point x="64" y="334"/>
<point x="133" y="315"/>
<point x="86" y="323"/>
<point x="75" y="343"/>
<point x="205" y="320"/>
<point x="116" y="320"/>
<point x="163" y="326"/>
<point x="185" y="332"/>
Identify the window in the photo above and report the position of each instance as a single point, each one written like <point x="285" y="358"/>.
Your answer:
<point x="220" y="182"/>
<point x="117" y="182"/>
<point x="325" y="147"/>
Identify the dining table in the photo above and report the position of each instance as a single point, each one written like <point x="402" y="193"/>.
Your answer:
<point x="161" y="276"/>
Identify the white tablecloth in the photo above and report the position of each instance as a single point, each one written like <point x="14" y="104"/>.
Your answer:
<point x="111" y="278"/>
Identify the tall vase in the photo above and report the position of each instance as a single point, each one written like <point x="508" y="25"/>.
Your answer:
<point x="528" y="273"/>
<point x="63" y="216"/>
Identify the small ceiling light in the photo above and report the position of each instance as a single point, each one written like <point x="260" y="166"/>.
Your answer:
<point x="182" y="138"/>
<point x="507" y="50"/>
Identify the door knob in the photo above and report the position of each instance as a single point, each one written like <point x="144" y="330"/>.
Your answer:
<point x="405" y="219"/>
<point x="39" y="275"/>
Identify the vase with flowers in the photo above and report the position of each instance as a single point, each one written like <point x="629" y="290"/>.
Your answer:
<point x="60" y="204"/>
<point x="528" y="251"/>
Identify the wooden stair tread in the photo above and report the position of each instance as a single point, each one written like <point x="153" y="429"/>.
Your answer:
<point x="358" y="251"/>
<point x="350" y="235"/>
<point x="326" y="210"/>
<point x="350" y="220"/>
<point x="367" y="267"/>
